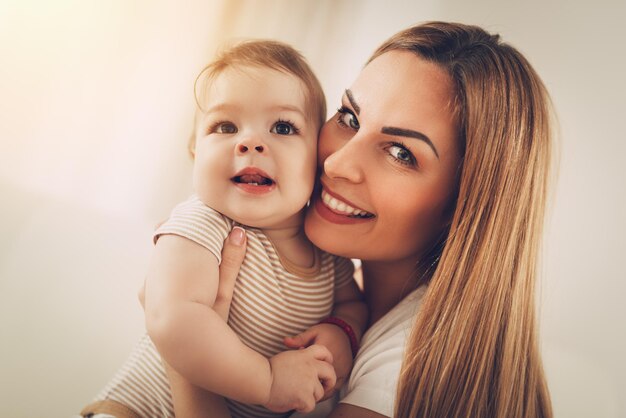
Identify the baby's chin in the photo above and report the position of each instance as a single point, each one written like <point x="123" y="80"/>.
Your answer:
<point x="270" y="221"/>
<point x="261" y="217"/>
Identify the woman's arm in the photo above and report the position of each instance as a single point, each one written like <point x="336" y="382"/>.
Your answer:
<point x="344" y="410"/>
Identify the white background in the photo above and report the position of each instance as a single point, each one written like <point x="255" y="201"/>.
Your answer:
<point x="95" y="110"/>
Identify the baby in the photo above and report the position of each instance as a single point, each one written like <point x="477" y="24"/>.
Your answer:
<point x="255" y="160"/>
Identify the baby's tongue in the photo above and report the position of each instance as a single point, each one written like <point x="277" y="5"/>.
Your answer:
<point x="253" y="178"/>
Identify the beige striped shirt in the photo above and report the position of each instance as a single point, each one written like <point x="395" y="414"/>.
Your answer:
<point x="272" y="299"/>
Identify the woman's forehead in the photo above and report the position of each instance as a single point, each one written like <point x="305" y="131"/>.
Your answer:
<point x="402" y="76"/>
<point x="403" y="90"/>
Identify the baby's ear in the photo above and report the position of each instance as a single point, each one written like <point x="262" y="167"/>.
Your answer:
<point x="142" y="294"/>
<point x="191" y="145"/>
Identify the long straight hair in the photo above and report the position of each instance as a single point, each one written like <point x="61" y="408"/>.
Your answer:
<point x="473" y="351"/>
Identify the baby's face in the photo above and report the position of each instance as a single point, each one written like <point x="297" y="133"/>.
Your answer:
<point x="255" y="155"/>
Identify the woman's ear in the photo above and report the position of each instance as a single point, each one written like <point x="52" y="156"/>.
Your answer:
<point x="447" y="214"/>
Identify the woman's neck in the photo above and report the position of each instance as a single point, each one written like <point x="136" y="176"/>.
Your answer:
<point x="386" y="283"/>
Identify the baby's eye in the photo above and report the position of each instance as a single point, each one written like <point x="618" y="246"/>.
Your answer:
<point x="347" y="118"/>
<point x="223" y="128"/>
<point x="284" y="128"/>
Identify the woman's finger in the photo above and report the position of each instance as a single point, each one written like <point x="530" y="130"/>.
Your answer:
<point x="232" y="256"/>
<point x="304" y="339"/>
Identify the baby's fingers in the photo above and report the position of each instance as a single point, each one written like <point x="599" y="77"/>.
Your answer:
<point x="320" y="352"/>
<point x="327" y="378"/>
<point x="318" y="392"/>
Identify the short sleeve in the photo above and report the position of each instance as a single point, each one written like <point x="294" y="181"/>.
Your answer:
<point x="344" y="271"/>
<point x="375" y="386"/>
<point x="199" y="223"/>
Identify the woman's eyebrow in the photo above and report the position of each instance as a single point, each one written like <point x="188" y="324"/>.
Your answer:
<point x="355" y="106"/>
<point x="389" y="130"/>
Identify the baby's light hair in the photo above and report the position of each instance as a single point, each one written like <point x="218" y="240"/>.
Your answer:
<point x="263" y="53"/>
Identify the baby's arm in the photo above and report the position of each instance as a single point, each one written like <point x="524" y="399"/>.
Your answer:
<point x="191" y="401"/>
<point x="180" y="290"/>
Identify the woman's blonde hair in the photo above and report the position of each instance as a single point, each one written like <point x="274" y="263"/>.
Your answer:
<point x="473" y="351"/>
<point x="268" y="54"/>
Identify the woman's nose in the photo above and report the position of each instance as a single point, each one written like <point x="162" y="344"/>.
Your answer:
<point x="345" y="163"/>
<point x="251" y="143"/>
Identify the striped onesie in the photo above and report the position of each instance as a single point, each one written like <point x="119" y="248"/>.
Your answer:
<point x="272" y="299"/>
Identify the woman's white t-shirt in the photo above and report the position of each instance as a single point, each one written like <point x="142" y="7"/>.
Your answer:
<point x="374" y="377"/>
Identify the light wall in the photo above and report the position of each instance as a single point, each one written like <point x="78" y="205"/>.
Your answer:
<point x="95" y="110"/>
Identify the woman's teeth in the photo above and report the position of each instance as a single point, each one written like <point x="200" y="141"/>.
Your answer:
<point x="343" y="207"/>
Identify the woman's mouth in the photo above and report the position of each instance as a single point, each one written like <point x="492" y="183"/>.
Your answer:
<point x="336" y="210"/>
<point x="341" y="207"/>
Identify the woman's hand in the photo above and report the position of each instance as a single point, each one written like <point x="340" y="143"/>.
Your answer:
<point x="336" y="341"/>
<point x="233" y="253"/>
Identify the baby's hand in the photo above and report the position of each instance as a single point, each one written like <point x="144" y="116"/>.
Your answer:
<point x="300" y="378"/>
<point x="336" y="341"/>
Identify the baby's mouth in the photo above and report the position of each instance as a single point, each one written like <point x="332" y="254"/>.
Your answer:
<point x="253" y="176"/>
<point x="253" y="180"/>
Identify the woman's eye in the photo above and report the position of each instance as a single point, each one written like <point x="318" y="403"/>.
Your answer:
<point x="284" y="128"/>
<point x="223" y="128"/>
<point x="347" y="118"/>
<point x="401" y="154"/>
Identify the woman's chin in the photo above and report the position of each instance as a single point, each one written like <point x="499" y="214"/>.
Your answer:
<point x="325" y="237"/>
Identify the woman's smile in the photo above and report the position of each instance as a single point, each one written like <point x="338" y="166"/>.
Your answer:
<point x="338" y="205"/>
<point x="337" y="209"/>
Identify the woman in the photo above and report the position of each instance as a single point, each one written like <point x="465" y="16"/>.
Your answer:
<point x="434" y="173"/>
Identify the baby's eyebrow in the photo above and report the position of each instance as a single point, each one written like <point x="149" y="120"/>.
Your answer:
<point x="288" y="108"/>
<point x="232" y="107"/>
<point x="221" y="107"/>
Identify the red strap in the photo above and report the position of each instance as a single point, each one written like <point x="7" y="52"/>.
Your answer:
<point x="354" y="345"/>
